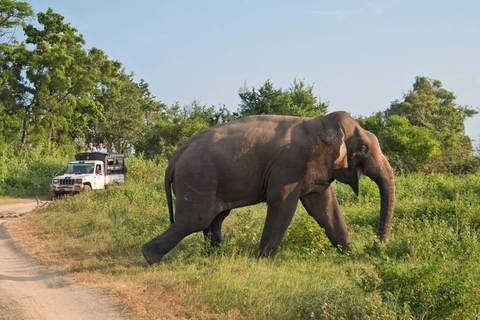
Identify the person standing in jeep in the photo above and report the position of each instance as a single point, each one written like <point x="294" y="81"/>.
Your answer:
<point x="90" y="147"/>
<point x="111" y="148"/>
<point x="100" y="148"/>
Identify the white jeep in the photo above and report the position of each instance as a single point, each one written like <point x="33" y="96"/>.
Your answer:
<point x="88" y="172"/>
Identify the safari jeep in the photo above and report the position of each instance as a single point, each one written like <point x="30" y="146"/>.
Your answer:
<point x="88" y="172"/>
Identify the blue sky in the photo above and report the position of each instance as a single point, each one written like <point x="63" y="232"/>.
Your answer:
<point x="361" y="55"/>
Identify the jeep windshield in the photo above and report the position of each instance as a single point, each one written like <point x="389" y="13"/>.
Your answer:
<point x="79" y="168"/>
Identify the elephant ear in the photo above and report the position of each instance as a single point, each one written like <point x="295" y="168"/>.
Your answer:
<point x="336" y="139"/>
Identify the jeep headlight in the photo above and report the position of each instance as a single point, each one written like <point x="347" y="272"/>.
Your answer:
<point x="55" y="181"/>
<point x="78" y="181"/>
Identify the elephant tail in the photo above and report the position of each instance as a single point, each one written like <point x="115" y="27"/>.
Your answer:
<point x="168" y="191"/>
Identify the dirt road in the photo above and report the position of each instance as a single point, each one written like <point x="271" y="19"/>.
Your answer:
<point x="30" y="291"/>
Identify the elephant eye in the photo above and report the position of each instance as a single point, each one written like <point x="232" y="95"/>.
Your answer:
<point x="363" y="149"/>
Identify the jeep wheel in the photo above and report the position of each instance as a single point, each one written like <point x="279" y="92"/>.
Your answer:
<point x="87" y="188"/>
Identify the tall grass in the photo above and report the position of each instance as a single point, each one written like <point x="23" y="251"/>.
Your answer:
<point x="30" y="172"/>
<point x="428" y="269"/>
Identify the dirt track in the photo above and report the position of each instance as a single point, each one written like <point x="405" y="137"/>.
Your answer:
<point x="35" y="292"/>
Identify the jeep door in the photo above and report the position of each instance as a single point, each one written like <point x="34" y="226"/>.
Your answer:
<point x="99" y="178"/>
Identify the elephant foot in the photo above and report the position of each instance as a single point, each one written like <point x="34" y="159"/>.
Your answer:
<point x="266" y="253"/>
<point x="151" y="256"/>
<point x="342" y="249"/>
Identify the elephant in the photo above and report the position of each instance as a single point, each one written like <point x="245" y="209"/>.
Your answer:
<point x="274" y="159"/>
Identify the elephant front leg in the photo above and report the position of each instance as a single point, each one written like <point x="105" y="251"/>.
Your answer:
<point x="323" y="207"/>
<point x="279" y="216"/>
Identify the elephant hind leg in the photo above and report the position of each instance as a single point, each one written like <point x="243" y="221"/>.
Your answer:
<point x="191" y="217"/>
<point x="186" y="224"/>
<point x="213" y="233"/>
<point x="155" y="249"/>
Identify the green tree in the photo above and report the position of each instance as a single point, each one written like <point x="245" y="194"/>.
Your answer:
<point x="222" y="115"/>
<point x="50" y="82"/>
<point x="431" y="106"/>
<point x="298" y="100"/>
<point x="12" y="14"/>
<point x="175" y="126"/>
<point x="425" y="131"/>
<point x="408" y="148"/>
<point x="129" y="111"/>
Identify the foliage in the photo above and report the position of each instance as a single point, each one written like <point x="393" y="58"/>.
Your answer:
<point x="298" y="100"/>
<point x="431" y="106"/>
<point x="175" y="126"/>
<point x="12" y="14"/>
<point x="142" y="172"/>
<point x="426" y="131"/>
<point x="408" y="148"/>
<point x="53" y="90"/>
<point x="49" y="81"/>
<point x="31" y="172"/>
<point x="129" y="112"/>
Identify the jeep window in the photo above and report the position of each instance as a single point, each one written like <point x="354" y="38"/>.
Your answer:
<point x="79" y="168"/>
<point x="115" y="166"/>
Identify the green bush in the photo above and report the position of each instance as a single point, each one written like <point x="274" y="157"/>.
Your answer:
<point x="29" y="173"/>
<point x="142" y="171"/>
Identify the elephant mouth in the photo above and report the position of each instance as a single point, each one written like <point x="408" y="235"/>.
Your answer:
<point x="357" y="173"/>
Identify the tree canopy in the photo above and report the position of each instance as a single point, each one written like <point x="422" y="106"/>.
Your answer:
<point x="297" y="100"/>
<point x="174" y="126"/>
<point x="425" y="131"/>
<point x="13" y="14"/>
<point x="129" y="111"/>
<point x="55" y="91"/>
<point x="431" y="106"/>
<point x="177" y="124"/>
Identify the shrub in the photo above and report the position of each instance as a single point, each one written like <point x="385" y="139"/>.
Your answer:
<point x="31" y="171"/>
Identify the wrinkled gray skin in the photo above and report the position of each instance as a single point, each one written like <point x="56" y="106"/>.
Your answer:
<point x="273" y="159"/>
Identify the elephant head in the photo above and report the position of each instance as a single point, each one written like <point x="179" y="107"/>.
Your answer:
<point x="363" y="156"/>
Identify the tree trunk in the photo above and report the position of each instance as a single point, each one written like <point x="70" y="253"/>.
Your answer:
<point x="28" y="110"/>
<point x="24" y="134"/>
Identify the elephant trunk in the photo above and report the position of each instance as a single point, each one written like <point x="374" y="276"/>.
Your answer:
<point x="386" y="185"/>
